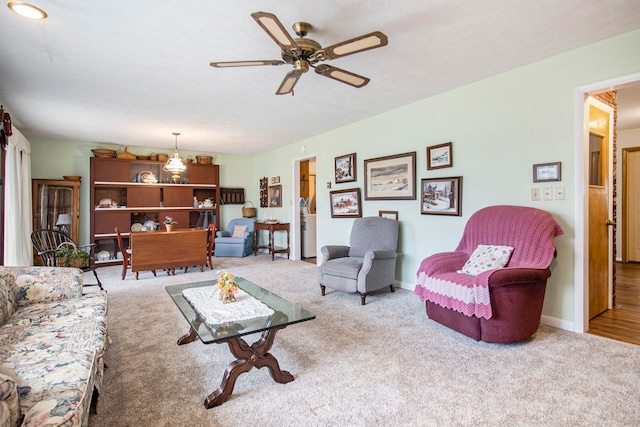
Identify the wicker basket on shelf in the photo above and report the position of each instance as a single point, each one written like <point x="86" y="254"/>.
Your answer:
<point x="204" y="160"/>
<point x="104" y="153"/>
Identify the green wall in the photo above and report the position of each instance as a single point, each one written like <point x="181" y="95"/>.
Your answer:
<point x="499" y="128"/>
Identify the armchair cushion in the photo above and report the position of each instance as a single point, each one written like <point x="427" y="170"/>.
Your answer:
<point x="238" y="231"/>
<point x="486" y="257"/>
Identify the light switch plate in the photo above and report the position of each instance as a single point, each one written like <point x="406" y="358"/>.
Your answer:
<point x="547" y="193"/>
<point x="535" y="194"/>
<point x="559" y="193"/>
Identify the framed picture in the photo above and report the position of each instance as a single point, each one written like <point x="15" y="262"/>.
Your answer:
<point x="391" y="177"/>
<point x="346" y="203"/>
<point x="275" y="196"/>
<point x="346" y="168"/>
<point x="545" y="172"/>
<point x="439" y="156"/>
<point x="388" y="214"/>
<point x="441" y="196"/>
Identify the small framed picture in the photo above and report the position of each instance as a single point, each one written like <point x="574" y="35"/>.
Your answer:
<point x="346" y="203"/>
<point x="388" y="214"/>
<point x="275" y="196"/>
<point x="439" y="156"/>
<point x="545" y="172"/>
<point x="441" y="196"/>
<point x="345" y="168"/>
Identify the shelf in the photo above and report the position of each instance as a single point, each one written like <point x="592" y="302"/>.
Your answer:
<point x="153" y="209"/>
<point x="142" y="184"/>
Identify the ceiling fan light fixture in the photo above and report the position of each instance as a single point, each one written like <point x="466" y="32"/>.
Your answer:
<point x="175" y="164"/>
<point x="27" y="10"/>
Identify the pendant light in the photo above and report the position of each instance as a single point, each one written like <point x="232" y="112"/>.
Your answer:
<point x="175" y="164"/>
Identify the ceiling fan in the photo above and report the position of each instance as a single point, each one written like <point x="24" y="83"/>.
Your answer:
<point x="306" y="53"/>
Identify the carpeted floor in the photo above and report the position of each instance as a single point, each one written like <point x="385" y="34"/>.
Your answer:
<point x="384" y="363"/>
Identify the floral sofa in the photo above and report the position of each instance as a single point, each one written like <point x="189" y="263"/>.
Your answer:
<point x="52" y="342"/>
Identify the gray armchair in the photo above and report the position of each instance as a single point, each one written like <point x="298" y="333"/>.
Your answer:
<point x="368" y="264"/>
<point x="229" y="246"/>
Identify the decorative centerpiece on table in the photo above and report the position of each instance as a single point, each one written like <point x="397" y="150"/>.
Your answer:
<point x="169" y="222"/>
<point x="227" y="286"/>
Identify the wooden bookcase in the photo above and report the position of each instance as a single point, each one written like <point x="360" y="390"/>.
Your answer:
<point x="118" y="199"/>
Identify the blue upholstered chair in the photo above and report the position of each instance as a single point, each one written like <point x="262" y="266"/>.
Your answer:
<point x="368" y="264"/>
<point x="239" y="246"/>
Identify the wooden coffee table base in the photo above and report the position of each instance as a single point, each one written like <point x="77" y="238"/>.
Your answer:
<point x="248" y="356"/>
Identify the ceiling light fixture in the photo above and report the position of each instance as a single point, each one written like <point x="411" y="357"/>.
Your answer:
<point x="175" y="164"/>
<point x="27" y="10"/>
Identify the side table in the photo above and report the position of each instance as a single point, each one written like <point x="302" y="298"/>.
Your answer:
<point x="271" y="227"/>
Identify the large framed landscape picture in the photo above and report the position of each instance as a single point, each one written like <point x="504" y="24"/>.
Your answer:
<point x="391" y="177"/>
<point x="346" y="203"/>
<point x="441" y="196"/>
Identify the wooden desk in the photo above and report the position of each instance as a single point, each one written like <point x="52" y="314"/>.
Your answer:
<point x="272" y="228"/>
<point x="157" y="250"/>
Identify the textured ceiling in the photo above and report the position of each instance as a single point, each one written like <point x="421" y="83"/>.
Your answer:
<point x="132" y="72"/>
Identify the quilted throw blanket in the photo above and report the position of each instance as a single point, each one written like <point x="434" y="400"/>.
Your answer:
<point x="531" y="232"/>
<point x="459" y="292"/>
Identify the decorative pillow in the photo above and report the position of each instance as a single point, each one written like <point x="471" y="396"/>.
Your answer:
<point x="486" y="257"/>
<point x="239" y="230"/>
<point x="23" y="386"/>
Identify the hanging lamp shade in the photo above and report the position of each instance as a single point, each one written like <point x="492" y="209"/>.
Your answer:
<point x="175" y="164"/>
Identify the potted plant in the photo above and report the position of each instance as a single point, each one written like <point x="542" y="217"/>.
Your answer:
<point x="68" y="255"/>
<point x="169" y="222"/>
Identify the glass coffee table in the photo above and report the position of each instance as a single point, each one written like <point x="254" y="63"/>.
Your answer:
<point x="231" y="332"/>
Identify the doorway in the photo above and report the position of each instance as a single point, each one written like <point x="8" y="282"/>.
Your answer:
<point x="304" y="201"/>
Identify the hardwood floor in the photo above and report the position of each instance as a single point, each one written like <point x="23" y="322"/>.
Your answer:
<point x="622" y="323"/>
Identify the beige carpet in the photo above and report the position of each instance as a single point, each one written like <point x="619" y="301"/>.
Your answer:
<point x="382" y="364"/>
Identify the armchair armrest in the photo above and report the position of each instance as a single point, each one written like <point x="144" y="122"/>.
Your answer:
<point x="380" y="254"/>
<point x="223" y="234"/>
<point x="443" y="262"/>
<point x="515" y="275"/>
<point x="334" y="251"/>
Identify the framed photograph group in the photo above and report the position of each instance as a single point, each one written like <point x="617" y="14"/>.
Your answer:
<point x="346" y="203"/>
<point x="439" y="156"/>
<point x="345" y="168"/>
<point x="390" y="177"/>
<point x="441" y="196"/>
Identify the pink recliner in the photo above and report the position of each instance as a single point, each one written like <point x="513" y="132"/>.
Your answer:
<point x="500" y="305"/>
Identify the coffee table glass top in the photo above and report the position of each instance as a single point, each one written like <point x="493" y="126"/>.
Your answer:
<point x="286" y="312"/>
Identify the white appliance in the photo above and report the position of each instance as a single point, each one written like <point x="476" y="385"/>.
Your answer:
<point x="308" y="228"/>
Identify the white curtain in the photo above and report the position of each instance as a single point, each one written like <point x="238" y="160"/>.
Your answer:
<point x="17" y="202"/>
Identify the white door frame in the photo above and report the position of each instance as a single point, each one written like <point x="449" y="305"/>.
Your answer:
<point x="294" y="245"/>
<point x="581" y="208"/>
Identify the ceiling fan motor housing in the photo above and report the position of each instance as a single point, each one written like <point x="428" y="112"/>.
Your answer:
<point x="307" y="48"/>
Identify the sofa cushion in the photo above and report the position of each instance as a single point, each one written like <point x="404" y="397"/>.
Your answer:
<point x="62" y="384"/>
<point x="486" y="257"/>
<point x="42" y="284"/>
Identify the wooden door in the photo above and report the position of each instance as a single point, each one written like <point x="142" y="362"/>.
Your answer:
<point x="631" y="161"/>
<point x="599" y="195"/>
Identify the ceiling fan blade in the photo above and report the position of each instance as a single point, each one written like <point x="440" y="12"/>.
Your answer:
<point x="289" y="82"/>
<point x="348" y="47"/>
<point x="246" y="63"/>
<point x="342" y="75"/>
<point x="272" y="25"/>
